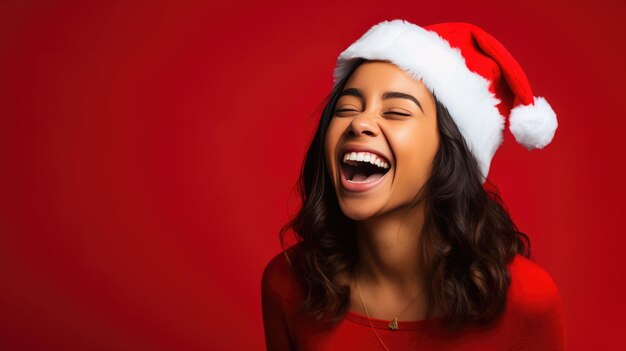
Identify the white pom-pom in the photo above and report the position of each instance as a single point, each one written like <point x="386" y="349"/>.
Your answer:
<point x="533" y="125"/>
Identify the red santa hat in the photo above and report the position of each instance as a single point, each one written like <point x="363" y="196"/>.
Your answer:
<point x="470" y="73"/>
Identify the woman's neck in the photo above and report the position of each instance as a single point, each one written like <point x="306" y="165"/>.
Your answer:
<point x="389" y="254"/>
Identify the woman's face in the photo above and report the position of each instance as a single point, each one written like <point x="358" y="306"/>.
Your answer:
<point x="383" y="110"/>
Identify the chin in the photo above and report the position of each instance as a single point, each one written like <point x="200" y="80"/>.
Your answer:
<point x="359" y="210"/>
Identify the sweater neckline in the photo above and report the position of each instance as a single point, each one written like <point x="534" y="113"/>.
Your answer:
<point x="383" y="324"/>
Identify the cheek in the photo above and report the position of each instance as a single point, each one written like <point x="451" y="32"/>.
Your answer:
<point x="416" y="149"/>
<point x="333" y="133"/>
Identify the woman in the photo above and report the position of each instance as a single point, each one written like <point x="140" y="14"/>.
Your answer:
<point x="400" y="245"/>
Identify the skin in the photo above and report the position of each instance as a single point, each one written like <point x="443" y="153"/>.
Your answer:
<point x="390" y="216"/>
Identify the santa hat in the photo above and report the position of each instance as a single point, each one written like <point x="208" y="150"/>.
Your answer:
<point x="470" y="73"/>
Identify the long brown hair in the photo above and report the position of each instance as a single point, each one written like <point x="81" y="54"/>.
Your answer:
<point x="468" y="238"/>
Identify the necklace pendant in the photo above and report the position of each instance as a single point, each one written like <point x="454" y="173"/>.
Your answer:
<point x="394" y="324"/>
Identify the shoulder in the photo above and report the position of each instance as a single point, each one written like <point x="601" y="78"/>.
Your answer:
<point x="535" y="301"/>
<point x="279" y="275"/>
<point x="532" y="287"/>
<point x="279" y="298"/>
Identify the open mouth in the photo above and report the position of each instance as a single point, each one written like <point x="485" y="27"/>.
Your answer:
<point x="364" y="167"/>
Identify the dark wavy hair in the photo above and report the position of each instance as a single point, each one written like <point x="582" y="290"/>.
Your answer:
<point x="468" y="238"/>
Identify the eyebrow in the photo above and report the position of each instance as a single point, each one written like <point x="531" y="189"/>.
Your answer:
<point x="386" y="95"/>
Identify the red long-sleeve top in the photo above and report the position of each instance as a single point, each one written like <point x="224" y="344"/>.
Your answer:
<point x="532" y="320"/>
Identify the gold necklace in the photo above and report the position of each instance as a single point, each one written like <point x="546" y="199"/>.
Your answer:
<point x="394" y="323"/>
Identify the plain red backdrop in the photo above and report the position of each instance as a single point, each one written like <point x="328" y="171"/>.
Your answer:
<point x="149" y="153"/>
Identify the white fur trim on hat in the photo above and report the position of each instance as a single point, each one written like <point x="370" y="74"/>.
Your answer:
<point x="533" y="125"/>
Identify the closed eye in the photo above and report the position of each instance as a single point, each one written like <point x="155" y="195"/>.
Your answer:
<point x="338" y="111"/>
<point x="390" y="113"/>
<point x="396" y="113"/>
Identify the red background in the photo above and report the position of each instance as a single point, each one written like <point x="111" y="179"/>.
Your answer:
<point x="149" y="152"/>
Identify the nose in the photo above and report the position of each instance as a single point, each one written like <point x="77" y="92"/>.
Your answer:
<point x="365" y="124"/>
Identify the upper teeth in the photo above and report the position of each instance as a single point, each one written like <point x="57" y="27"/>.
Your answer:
<point x="365" y="157"/>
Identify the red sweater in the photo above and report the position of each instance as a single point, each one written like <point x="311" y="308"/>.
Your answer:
<point x="532" y="320"/>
